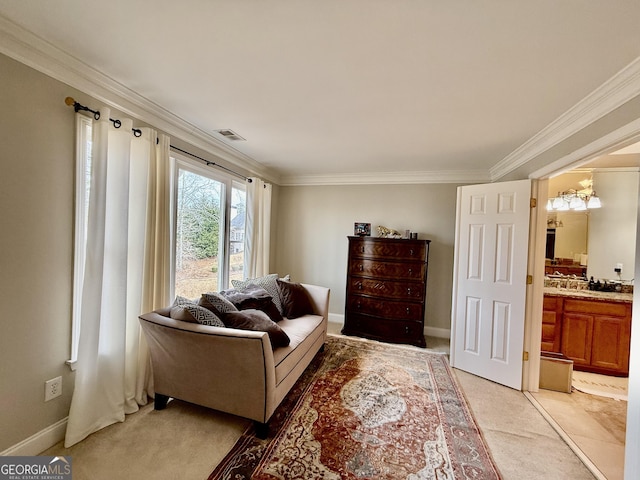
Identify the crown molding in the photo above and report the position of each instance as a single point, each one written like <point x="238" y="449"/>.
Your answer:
<point x="619" y="89"/>
<point x="388" y="178"/>
<point x="35" y="52"/>
<point x="603" y="145"/>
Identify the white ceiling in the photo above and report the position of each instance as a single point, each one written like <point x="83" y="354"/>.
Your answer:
<point x="352" y="87"/>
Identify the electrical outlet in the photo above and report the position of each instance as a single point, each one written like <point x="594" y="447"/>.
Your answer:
<point x="52" y="388"/>
<point x="618" y="268"/>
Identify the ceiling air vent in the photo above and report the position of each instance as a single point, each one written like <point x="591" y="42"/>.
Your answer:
<point x="230" y="134"/>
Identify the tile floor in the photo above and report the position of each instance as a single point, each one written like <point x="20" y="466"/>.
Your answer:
<point x="595" y="424"/>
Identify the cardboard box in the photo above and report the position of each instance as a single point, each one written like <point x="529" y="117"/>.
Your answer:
<point x="556" y="372"/>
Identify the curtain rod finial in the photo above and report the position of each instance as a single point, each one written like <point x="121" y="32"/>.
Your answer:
<point x="69" y="101"/>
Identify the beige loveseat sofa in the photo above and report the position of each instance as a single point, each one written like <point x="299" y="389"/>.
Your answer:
<point x="231" y="370"/>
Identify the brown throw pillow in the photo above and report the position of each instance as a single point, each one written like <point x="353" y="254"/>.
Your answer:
<point x="295" y="299"/>
<point x="257" y="321"/>
<point x="253" y="297"/>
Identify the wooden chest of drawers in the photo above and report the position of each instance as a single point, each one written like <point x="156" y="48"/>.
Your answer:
<point x="386" y="287"/>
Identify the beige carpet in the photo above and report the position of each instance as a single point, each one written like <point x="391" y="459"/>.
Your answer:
<point x="183" y="442"/>
<point x="186" y="441"/>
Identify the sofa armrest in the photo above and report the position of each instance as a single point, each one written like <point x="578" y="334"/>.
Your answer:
<point x="222" y="368"/>
<point x="319" y="299"/>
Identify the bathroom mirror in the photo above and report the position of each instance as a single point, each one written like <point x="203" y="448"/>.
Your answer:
<point x="567" y="236"/>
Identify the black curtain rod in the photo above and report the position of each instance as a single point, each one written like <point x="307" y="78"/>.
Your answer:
<point x="209" y="163"/>
<point x="137" y="133"/>
<point x="96" y="115"/>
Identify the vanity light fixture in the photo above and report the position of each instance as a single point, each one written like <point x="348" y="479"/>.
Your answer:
<point x="573" y="200"/>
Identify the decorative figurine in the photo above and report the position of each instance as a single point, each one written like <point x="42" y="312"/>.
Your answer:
<point x="384" y="232"/>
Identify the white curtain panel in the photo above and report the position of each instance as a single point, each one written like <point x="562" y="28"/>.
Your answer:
<point x="257" y="239"/>
<point x="123" y="254"/>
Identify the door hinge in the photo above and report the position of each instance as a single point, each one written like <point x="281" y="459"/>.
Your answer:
<point x="525" y="356"/>
<point x="529" y="279"/>
<point x="533" y="202"/>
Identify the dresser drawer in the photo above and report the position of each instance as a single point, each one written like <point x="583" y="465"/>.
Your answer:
<point x="384" y="308"/>
<point x="386" y="330"/>
<point x="375" y="268"/>
<point x="400" y="249"/>
<point x="396" y="290"/>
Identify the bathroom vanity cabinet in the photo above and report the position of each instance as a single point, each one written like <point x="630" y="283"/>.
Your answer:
<point x="591" y="328"/>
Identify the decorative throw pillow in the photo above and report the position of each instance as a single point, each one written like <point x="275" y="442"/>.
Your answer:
<point x="258" y="321"/>
<point x="268" y="282"/>
<point x="295" y="299"/>
<point x="166" y="311"/>
<point x="253" y="297"/>
<point x="192" y="313"/>
<point x="182" y="300"/>
<point x="216" y="302"/>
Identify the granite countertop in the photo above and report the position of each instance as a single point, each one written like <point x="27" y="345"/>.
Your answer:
<point x="590" y="294"/>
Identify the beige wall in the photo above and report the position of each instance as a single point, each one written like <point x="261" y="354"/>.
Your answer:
<point x="313" y="223"/>
<point x="36" y="191"/>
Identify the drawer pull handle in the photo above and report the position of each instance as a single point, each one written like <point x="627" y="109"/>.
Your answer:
<point x="361" y="249"/>
<point x="359" y="285"/>
<point x="410" y="271"/>
<point x="408" y="310"/>
<point x="406" y="330"/>
<point x="409" y="291"/>
<point x="411" y="252"/>
<point x="360" y="267"/>
<point x="358" y="305"/>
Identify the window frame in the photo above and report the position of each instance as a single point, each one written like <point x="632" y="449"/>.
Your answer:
<point x="228" y="181"/>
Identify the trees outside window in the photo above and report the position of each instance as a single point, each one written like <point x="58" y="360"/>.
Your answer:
<point x="209" y="231"/>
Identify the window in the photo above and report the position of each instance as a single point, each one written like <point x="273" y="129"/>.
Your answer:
<point x="208" y="216"/>
<point x="209" y="227"/>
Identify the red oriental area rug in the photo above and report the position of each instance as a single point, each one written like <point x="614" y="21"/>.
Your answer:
<point x="367" y="410"/>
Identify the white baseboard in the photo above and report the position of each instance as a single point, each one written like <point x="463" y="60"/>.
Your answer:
<point x="429" y="331"/>
<point x="39" y="442"/>
<point x="437" y="332"/>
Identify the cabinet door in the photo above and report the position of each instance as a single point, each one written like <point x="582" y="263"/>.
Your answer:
<point x="552" y="324"/>
<point x="611" y="343"/>
<point x="577" y="337"/>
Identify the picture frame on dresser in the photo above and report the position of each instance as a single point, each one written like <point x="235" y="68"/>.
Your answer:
<point x="362" y="229"/>
<point x="386" y="289"/>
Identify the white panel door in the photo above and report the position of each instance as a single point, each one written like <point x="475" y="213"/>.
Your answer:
<point x="490" y="272"/>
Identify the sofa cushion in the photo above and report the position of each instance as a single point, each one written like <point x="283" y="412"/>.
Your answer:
<point x="192" y="313"/>
<point x="253" y="297"/>
<point x="304" y="330"/>
<point x="268" y="282"/>
<point x="216" y="302"/>
<point x="295" y="299"/>
<point x="257" y="320"/>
